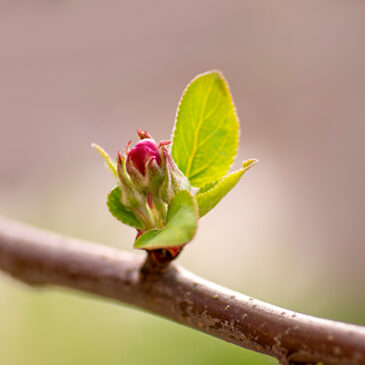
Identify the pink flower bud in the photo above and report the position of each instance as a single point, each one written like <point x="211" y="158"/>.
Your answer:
<point x="148" y="179"/>
<point x="143" y="152"/>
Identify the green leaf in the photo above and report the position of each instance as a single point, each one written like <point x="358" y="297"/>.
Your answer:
<point x="207" y="187"/>
<point x="109" y="161"/>
<point x="119" y="211"/>
<point x="181" y="223"/>
<point x="206" y="132"/>
<point x="209" y="198"/>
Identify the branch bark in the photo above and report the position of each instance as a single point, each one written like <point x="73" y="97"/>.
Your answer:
<point x="38" y="257"/>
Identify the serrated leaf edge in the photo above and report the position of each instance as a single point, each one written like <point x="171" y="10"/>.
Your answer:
<point x="246" y="165"/>
<point x="225" y="83"/>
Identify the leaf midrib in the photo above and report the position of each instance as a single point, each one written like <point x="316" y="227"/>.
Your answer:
<point x="196" y="133"/>
<point x="213" y="157"/>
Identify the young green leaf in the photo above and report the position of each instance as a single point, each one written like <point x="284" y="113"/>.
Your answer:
<point x="206" y="132"/>
<point x="181" y="223"/>
<point x="207" y="187"/>
<point x="109" y="161"/>
<point x="119" y="211"/>
<point x="208" y="199"/>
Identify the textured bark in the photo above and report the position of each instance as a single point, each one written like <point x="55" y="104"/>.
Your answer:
<point x="41" y="258"/>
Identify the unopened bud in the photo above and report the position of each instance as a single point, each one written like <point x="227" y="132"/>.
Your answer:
<point x="130" y="197"/>
<point x="149" y="178"/>
<point x="174" y="180"/>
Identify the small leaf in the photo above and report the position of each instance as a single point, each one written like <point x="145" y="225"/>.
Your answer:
<point x="210" y="198"/>
<point x="119" y="211"/>
<point x="182" y="217"/>
<point x="109" y="161"/>
<point x="206" y="133"/>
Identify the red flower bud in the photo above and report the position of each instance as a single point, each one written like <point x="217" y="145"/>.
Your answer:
<point x="144" y="151"/>
<point x="148" y="180"/>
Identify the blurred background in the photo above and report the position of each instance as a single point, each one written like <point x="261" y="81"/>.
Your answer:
<point x="291" y="233"/>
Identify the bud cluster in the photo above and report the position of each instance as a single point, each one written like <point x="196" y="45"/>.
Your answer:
<point x="149" y="178"/>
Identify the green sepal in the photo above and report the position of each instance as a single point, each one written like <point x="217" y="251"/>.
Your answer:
<point x="206" y="132"/>
<point x="109" y="161"/>
<point x="181" y="223"/>
<point x="209" y="196"/>
<point x="119" y="211"/>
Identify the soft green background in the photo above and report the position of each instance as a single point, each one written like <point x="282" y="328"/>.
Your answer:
<point x="291" y="232"/>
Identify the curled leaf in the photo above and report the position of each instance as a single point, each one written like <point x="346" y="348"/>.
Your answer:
<point x="181" y="223"/>
<point x="119" y="211"/>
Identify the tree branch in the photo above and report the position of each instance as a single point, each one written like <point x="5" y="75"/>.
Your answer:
<point x="38" y="257"/>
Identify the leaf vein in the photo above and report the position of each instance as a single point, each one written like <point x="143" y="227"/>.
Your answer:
<point x="205" y="139"/>
<point x="199" y="171"/>
<point x="196" y="133"/>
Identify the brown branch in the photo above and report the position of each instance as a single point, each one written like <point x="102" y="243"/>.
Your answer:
<point x="38" y="257"/>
